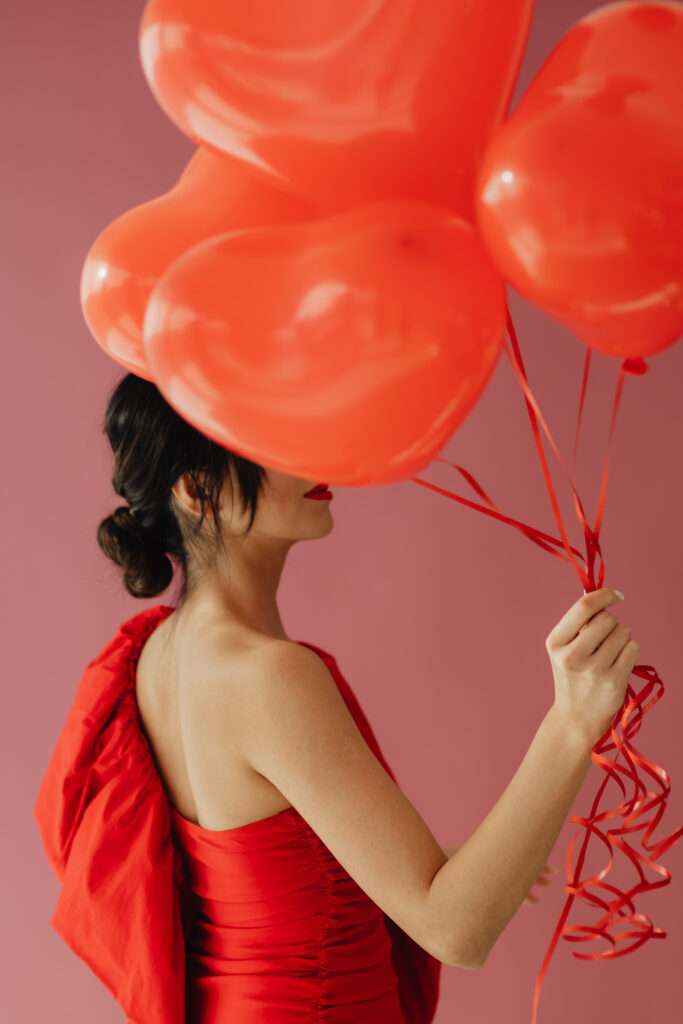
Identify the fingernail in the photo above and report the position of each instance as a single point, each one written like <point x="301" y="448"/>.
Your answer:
<point x="619" y="594"/>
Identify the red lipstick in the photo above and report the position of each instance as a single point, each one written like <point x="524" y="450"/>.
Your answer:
<point x="320" y="492"/>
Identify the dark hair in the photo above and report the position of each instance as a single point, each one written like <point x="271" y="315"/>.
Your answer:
<point x="153" y="445"/>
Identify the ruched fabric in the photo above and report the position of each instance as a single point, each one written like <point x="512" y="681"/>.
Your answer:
<point x="258" y="924"/>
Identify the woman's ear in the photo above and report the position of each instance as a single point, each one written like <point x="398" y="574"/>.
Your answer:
<point x="186" y="494"/>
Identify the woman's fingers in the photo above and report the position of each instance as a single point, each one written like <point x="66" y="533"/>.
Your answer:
<point x="543" y="879"/>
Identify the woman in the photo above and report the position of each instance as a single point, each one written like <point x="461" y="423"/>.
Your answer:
<point x="231" y="841"/>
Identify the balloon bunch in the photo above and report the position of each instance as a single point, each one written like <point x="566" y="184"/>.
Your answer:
<point x="323" y="290"/>
<point x="313" y="293"/>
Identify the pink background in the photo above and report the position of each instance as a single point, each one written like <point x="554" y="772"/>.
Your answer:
<point x="437" y="614"/>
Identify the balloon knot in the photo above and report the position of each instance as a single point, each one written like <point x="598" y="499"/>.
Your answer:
<point x="635" y="365"/>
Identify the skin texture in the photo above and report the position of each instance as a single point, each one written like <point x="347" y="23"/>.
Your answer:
<point x="543" y="878"/>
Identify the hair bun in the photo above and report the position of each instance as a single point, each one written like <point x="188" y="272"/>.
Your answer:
<point x="139" y="549"/>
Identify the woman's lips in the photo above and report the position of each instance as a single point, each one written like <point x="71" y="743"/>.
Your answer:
<point x="320" y="491"/>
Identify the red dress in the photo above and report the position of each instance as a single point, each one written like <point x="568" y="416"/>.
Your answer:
<point x="186" y="925"/>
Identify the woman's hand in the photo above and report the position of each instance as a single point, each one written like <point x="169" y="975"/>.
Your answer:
<point x="543" y="878"/>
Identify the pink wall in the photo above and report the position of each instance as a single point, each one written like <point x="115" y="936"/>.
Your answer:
<point x="436" y="613"/>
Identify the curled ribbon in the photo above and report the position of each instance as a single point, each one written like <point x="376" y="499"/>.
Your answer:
<point x="628" y="719"/>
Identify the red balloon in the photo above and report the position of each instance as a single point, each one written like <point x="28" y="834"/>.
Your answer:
<point x="344" y="350"/>
<point x="213" y="194"/>
<point x="580" y="194"/>
<point x="341" y="101"/>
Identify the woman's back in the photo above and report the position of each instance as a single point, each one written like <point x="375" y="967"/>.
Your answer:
<point x="210" y="785"/>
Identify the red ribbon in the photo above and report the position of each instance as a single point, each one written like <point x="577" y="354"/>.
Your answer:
<point x="617" y="906"/>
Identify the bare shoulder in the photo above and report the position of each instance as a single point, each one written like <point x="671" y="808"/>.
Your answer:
<point x="274" y="661"/>
<point x="278" y="679"/>
<point x="279" y="684"/>
<point x="249" y="672"/>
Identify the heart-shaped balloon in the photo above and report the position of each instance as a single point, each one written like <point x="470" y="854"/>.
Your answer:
<point x="344" y="350"/>
<point x="345" y="102"/>
<point x="580" y="196"/>
<point x="214" y="194"/>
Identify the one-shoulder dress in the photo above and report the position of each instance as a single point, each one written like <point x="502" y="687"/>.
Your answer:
<point x="257" y="924"/>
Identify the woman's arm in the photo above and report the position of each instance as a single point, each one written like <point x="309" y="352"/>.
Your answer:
<point x="543" y="878"/>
